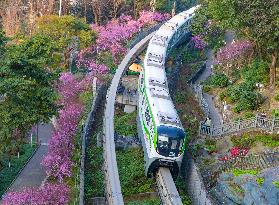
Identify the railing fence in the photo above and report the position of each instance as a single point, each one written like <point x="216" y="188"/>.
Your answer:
<point x="257" y="122"/>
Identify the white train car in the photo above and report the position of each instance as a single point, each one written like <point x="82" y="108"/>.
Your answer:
<point x="162" y="134"/>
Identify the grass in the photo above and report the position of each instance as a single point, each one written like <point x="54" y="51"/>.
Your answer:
<point x="131" y="172"/>
<point x="247" y="140"/>
<point x="125" y="123"/>
<point x="181" y="187"/>
<point x="260" y="181"/>
<point x="237" y="172"/>
<point x="276" y="184"/>
<point x="7" y="175"/>
<point x="94" y="176"/>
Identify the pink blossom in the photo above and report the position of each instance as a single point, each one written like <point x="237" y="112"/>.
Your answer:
<point x="232" y="51"/>
<point x="113" y="37"/>
<point x="51" y="194"/>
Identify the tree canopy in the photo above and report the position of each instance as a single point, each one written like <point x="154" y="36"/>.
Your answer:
<point x="256" y="21"/>
<point x="26" y="85"/>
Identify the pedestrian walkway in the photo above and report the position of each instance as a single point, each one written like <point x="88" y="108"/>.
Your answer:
<point x="33" y="174"/>
<point x="213" y="112"/>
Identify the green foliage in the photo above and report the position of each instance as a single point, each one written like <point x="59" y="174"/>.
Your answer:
<point x="237" y="172"/>
<point x="3" y="41"/>
<point x="276" y="97"/>
<point x="256" y="72"/>
<point x="30" y="97"/>
<point x="255" y="22"/>
<point x="210" y="145"/>
<point x="222" y="95"/>
<point x="276" y="184"/>
<point x="268" y="140"/>
<point x="180" y="98"/>
<point x="275" y="113"/>
<point x="194" y="149"/>
<point x="248" y="115"/>
<point x="62" y="29"/>
<point x="217" y="80"/>
<point x="181" y="186"/>
<point x="247" y="141"/>
<point x="213" y="34"/>
<point x="260" y="181"/>
<point x="206" y="88"/>
<point x="7" y="174"/>
<point x="107" y="59"/>
<point x="131" y="172"/>
<point x="86" y="97"/>
<point x="126" y="124"/>
<point x="94" y="179"/>
<point x="244" y="96"/>
<point x="236" y="74"/>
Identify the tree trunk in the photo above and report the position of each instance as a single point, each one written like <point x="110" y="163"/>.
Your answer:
<point x="272" y="71"/>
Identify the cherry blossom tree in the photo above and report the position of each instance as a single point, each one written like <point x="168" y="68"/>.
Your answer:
<point x="113" y="37"/>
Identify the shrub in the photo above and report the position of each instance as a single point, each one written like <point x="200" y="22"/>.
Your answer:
<point x="268" y="140"/>
<point x="248" y="101"/>
<point x="245" y="141"/>
<point x="244" y="96"/>
<point x="218" y="80"/>
<point x="260" y="181"/>
<point x="131" y="172"/>
<point x="276" y="97"/>
<point x="206" y="88"/>
<point x="256" y="72"/>
<point x="237" y="172"/>
<point x="180" y="98"/>
<point x="125" y="124"/>
<point x="222" y="96"/>
<point x="248" y="115"/>
<point x="276" y="184"/>
<point x="235" y="74"/>
<point x="275" y="113"/>
<point x="210" y="145"/>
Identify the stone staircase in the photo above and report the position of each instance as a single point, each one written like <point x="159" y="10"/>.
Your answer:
<point x="249" y="162"/>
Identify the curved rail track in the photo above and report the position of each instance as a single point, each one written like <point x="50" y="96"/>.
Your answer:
<point x="166" y="187"/>
<point x="113" y="188"/>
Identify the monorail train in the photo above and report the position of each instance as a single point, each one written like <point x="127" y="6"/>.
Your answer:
<point x="162" y="134"/>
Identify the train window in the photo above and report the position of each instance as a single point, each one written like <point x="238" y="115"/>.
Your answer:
<point x="141" y="82"/>
<point x="147" y="116"/>
<point x="173" y="144"/>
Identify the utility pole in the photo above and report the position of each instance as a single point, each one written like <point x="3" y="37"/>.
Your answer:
<point x="60" y="7"/>
<point x="153" y="5"/>
<point x="173" y="9"/>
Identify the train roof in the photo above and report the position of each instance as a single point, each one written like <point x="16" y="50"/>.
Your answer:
<point x="154" y="71"/>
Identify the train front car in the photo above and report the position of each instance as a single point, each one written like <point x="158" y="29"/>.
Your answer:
<point x="159" y="127"/>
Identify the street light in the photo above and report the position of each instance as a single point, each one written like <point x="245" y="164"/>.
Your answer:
<point x="60" y="7"/>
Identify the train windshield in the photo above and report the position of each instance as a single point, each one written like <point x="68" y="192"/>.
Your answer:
<point x="170" y="141"/>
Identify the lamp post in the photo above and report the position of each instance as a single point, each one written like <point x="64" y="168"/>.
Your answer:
<point x="60" y="7"/>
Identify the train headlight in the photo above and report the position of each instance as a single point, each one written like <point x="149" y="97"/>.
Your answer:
<point x="163" y="138"/>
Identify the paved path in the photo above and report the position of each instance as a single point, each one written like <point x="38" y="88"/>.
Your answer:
<point x="213" y="112"/>
<point x="33" y="174"/>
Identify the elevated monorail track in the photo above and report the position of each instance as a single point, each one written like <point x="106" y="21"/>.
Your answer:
<point x="166" y="187"/>
<point x="112" y="182"/>
<point x="158" y="50"/>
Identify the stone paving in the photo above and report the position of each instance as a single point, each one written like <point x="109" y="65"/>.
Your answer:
<point x="33" y="174"/>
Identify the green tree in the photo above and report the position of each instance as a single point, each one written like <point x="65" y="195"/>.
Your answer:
<point x="255" y="20"/>
<point x="27" y="87"/>
<point x="62" y="31"/>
